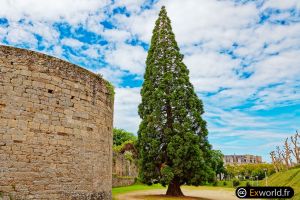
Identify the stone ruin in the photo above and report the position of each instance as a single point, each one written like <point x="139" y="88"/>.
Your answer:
<point x="55" y="129"/>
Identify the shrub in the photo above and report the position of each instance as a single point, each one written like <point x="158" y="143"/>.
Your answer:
<point x="120" y="136"/>
<point x="224" y="183"/>
<point x="235" y="182"/>
<point x="248" y="184"/>
<point x="215" y="183"/>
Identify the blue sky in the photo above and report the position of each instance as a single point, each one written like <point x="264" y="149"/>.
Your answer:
<point x="243" y="57"/>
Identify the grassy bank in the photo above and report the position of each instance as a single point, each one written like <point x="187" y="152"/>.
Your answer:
<point x="287" y="178"/>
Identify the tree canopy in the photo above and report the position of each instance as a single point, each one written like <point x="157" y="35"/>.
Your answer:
<point x="250" y="170"/>
<point x="120" y="136"/>
<point x="217" y="161"/>
<point x="172" y="138"/>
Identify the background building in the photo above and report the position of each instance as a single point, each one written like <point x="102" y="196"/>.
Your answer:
<point x="241" y="159"/>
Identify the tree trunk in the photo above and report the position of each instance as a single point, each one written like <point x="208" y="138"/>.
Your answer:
<point x="174" y="189"/>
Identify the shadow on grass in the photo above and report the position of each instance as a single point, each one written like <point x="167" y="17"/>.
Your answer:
<point x="165" y="197"/>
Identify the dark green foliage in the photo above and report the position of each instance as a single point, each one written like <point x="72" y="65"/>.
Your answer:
<point x="215" y="183"/>
<point x="121" y="136"/>
<point x="172" y="137"/>
<point x="235" y="182"/>
<point x="224" y="183"/>
<point x="167" y="175"/>
<point x="248" y="184"/>
<point x="217" y="161"/>
<point x="250" y="170"/>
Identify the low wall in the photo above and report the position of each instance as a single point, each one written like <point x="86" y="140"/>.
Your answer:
<point x="124" y="171"/>
<point x="122" y="181"/>
<point x="123" y="167"/>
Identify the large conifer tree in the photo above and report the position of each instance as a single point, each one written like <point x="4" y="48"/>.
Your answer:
<point x="172" y="137"/>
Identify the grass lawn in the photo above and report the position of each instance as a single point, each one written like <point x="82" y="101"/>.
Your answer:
<point x="136" y="187"/>
<point x="286" y="178"/>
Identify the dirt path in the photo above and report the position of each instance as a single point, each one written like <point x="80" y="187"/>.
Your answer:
<point x="193" y="194"/>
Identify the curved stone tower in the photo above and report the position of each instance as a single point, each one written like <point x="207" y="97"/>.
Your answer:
<point x="55" y="128"/>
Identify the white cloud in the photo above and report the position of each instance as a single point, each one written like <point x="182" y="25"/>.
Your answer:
<point x="72" y="11"/>
<point x="130" y="5"/>
<point x="91" y="52"/>
<point x="116" y="35"/>
<point x="20" y="36"/>
<point x="126" y="103"/>
<point x="138" y="24"/>
<point x="209" y="70"/>
<point x="209" y="20"/>
<point x="113" y="75"/>
<point x="281" y="4"/>
<point x="72" y="42"/>
<point x="127" y="57"/>
<point x="57" y="51"/>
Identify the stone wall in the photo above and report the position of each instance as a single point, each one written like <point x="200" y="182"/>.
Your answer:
<point x="123" y="167"/>
<point x="55" y="129"/>
<point x="122" y="181"/>
<point x="124" y="171"/>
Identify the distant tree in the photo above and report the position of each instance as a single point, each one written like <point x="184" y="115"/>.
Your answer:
<point x="259" y="170"/>
<point x="217" y="161"/>
<point x="279" y="158"/>
<point x="231" y="170"/>
<point x="296" y="147"/>
<point x="172" y="137"/>
<point x="250" y="170"/>
<point x="286" y="154"/>
<point x="120" y="136"/>
<point x="282" y="159"/>
<point x="274" y="161"/>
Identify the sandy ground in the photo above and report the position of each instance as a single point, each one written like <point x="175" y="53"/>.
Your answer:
<point x="193" y="194"/>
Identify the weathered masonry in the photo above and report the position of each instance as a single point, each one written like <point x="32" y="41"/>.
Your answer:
<point x="55" y="129"/>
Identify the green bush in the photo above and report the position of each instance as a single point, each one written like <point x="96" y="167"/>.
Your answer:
<point x="120" y="136"/>
<point x="248" y="184"/>
<point x="215" y="183"/>
<point x="224" y="183"/>
<point x="235" y="182"/>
